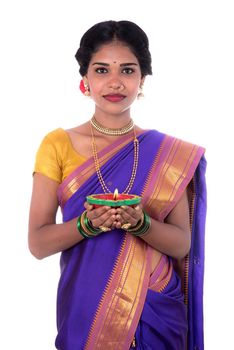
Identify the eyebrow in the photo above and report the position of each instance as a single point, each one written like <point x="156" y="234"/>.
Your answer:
<point x="121" y="65"/>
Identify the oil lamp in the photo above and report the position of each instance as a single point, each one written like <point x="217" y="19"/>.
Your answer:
<point x="115" y="199"/>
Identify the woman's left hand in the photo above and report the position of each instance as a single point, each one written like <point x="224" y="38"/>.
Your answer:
<point x="128" y="215"/>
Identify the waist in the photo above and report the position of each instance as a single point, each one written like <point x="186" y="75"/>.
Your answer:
<point x="156" y="256"/>
<point x="161" y="275"/>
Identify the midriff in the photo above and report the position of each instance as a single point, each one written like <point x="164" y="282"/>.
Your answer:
<point x="156" y="255"/>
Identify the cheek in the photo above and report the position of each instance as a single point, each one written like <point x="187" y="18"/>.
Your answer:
<point x="135" y="85"/>
<point x="94" y="90"/>
<point x="134" y="89"/>
<point x="95" y="86"/>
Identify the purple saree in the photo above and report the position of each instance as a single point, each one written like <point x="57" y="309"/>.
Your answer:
<point x="107" y="296"/>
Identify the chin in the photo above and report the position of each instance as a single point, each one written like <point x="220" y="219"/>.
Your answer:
<point x="115" y="110"/>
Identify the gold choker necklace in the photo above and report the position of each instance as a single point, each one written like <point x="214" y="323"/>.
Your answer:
<point x="112" y="132"/>
<point x="97" y="164"/>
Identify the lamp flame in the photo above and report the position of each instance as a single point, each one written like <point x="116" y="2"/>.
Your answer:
<point x="116" y="193"/>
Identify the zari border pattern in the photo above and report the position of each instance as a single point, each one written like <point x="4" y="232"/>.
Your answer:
<point x="122" y="302"/>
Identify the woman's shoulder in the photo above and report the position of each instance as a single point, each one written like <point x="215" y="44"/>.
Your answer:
<point x="58" y="139"/>
<point x="56" y="135"/>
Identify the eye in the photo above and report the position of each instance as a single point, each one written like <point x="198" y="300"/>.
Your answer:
<point x="128" y="70"/>
<point x="101" y="70"/>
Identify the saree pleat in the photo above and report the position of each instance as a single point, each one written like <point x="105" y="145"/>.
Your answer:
<point x="107" y="293"/>
<point x="163" y="319"/>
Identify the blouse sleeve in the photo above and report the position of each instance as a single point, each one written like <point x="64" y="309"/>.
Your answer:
<point x="48" y="161"/>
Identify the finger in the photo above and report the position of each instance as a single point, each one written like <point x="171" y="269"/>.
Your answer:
<point x="126" y="218"/>
<point x="119" y="218"/>
<point x="88" y="206"/>
<point x="105" y="219"/>
<point x="96" y="213"/>
<point x="109" y="222"/>
<point x="118" y="224"/>
<point x="133" y="220"/>
<point x="138" y="207"/>
<point x="128" y="213"/>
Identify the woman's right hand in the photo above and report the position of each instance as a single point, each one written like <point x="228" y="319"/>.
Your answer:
<point x="103" y="216"/>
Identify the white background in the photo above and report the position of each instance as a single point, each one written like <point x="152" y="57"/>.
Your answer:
<point x="189" y="96"/>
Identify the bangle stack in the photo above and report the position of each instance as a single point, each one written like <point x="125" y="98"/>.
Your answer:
<point x="142" y="228"/>
<point x="85" y="227"/>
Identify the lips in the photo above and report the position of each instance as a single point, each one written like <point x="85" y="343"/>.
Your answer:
<point x="114" y="97"/>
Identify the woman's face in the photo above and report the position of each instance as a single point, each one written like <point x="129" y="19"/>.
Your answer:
<point x="114" y="78"/>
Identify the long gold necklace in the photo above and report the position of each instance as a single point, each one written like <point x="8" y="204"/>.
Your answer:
<point x="97" y="164"/>
<point x="112" y="132"/>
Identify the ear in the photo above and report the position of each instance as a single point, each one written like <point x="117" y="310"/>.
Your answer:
<point x="142" y="81"/>
<point x="85" y="79"/>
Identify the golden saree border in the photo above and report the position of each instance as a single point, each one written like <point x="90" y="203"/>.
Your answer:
<point x="119" y="311"/>
<point x="171" y="173"/>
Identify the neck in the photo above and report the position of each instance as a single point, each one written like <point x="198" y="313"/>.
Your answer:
<point x="115" y="121"/>
<point x="111" y="131"/>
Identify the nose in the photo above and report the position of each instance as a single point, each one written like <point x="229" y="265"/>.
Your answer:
<point x="116" y="83"/>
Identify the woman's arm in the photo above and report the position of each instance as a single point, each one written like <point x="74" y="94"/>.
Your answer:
<point x="45" y="237"/>
<point x="172" y="237"/>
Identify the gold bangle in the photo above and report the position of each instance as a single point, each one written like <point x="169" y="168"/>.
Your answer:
<point x="83" y="226"/>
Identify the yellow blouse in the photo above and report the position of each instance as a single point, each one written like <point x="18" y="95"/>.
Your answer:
<point x="56" y="157"/>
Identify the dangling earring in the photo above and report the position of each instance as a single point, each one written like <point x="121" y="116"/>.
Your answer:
<point x="140" y="93"/>
<point x="84" y="88"/>
<point x="87" y="91"/>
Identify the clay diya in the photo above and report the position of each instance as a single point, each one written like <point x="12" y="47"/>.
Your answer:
<point x="113" y="199"/>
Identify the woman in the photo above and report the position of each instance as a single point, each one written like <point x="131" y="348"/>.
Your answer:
<point x="120" y="286"/>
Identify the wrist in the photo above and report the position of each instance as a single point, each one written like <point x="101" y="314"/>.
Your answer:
<point x="85" y="227"/>
<point x="142" y="227"/>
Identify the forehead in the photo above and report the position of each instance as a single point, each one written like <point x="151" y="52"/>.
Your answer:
<point x="114" y="52"/>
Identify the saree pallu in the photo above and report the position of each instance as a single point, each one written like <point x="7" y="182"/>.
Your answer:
<point x="107" y="296"/>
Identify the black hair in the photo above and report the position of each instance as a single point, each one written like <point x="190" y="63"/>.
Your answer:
<point x="107" y="31"/>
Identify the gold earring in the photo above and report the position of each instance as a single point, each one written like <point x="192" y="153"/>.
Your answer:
<point x="140" y="93"/>
<point x="87" y="91"/>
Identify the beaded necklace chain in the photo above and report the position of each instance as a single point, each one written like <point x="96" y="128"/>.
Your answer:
<point x="112" y="132"/>
<point x="97" y="164"/>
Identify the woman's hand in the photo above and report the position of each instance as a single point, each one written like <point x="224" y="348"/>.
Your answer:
<point x="129" y="216"/>
<point x="103" y="216"/>
<point x="113" y="217"/>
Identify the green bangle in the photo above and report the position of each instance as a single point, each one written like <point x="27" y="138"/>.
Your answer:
<point x="138" y="225"/>
<point x="144" y="227"/>
<point x="94" y="231"/>
<point x="85" y="228"/>
<point x="79" y="228"/>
